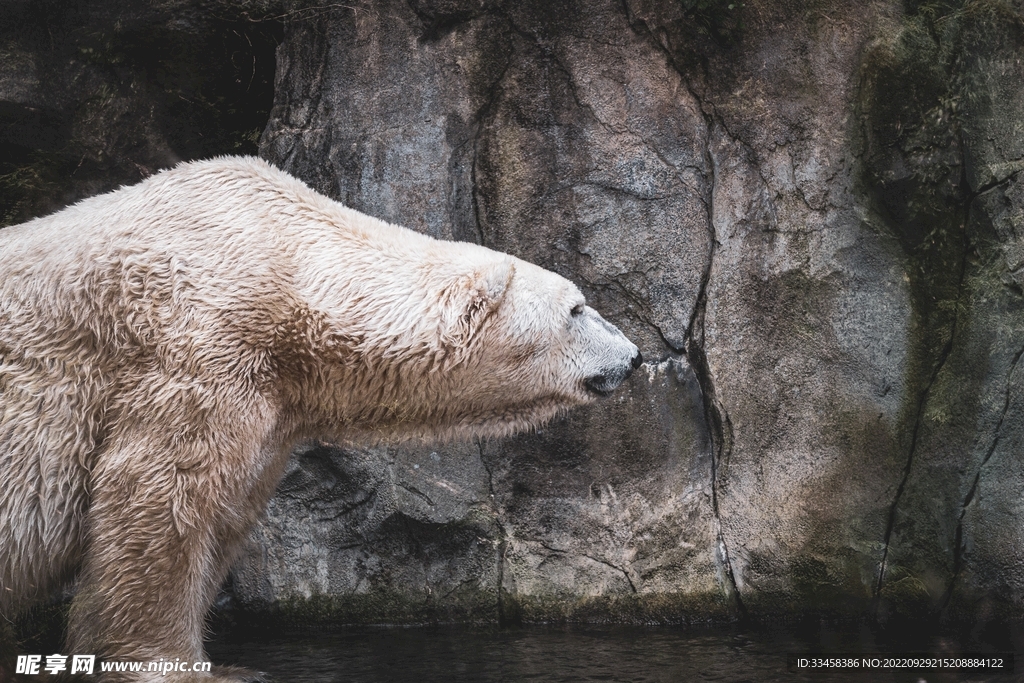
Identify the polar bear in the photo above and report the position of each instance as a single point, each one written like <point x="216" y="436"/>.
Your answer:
<point x="164" y="346"/>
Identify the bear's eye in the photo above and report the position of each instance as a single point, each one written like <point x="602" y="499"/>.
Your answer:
<point x="576" y="311"/>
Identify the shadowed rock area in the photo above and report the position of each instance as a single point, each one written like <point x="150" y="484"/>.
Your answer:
<point x="808" y="215"/>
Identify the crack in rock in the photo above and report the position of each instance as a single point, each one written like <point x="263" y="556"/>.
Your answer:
<point x="344" y="510"/>
<point x="416" y="492"/>
<point x="625" y="572"/>
<point x="926" y="392"/>
<point x="598" y="560"/>
<point x="479" y="118"/>
<point x="503" y="541"/>
<point x="989" y="186"/>
<point x="715" y="416"/>
<point x="959" y="546"/>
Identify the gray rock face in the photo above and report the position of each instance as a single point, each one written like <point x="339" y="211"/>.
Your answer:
<point x="549" y="525"/>
<point x="97" y="94"/>
<point x="522" y="130"/>
<point x="808" y="215"/>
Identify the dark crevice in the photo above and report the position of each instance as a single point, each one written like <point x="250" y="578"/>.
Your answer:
<point x="437" y="25"/>
<point x="891" y="522"/>
<point x="479" y="124"/>
<point x="943" y="356"/>
<point x="721" y="433"/>
<point x="958" y="548"/>
<point x="546" y="546"/>
<point x="989" y="186"/>
<point x="416" y="492"/>
<point x="598" y="560"/>
<point x="715" y="416"/>
<point x="673" y="348"/>
<point x="676" y="351"/>
<point x="617" y="568"/>
<point x="344" y="510"/>
<point x="461" y="584"/>
<point x="490" y="475"/>
<point x="503" y="541"/>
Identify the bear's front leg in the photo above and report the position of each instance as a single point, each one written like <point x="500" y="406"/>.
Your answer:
<point x="160" y="539"/>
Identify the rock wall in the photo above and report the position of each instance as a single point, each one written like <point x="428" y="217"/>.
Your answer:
<point x="100" y="93"/>
<point x="809" y="215"/>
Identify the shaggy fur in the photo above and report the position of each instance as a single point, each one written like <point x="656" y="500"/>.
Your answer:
<point x="164" y="346"/>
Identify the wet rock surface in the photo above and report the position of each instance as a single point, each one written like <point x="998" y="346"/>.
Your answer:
<point x="807" y="215"/>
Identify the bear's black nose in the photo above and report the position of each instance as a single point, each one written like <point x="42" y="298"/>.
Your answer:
<point x="638" y="360"/>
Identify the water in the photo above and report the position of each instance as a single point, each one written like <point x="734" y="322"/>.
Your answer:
<point x="636" y="655"/>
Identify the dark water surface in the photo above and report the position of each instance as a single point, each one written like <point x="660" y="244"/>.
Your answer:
<point x="634" y="654"/>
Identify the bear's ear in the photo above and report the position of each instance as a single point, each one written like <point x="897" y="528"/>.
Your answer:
<point x="466" y="304"/>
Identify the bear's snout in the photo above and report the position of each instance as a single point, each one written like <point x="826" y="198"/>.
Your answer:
<point x="609" y="380"/>
<point x="617" y="357"/>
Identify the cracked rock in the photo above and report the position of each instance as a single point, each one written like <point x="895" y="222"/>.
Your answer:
<point x="812" y="213"/>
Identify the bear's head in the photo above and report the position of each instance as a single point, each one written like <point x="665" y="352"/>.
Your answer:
<point x="510" y="346"/>
<point x="519" y="344"/>
<point x="451" y="340"/>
